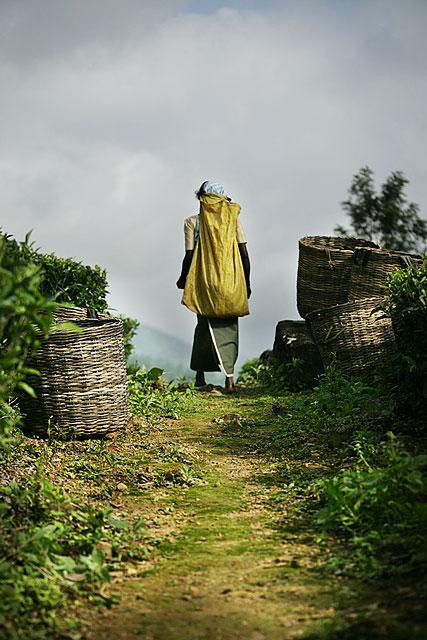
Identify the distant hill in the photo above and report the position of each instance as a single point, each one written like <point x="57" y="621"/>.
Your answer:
<point x="155" y="348"/>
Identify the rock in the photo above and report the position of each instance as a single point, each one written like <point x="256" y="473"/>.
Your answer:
<point x="266" y="356"/>
<point x="106" y="548"/>
<point x="278" y="409"/>
<point x="122" y="487"/>
<point x="74" y="577"/>
<point x="293" y="341"/>
<point x="159" y="384"/>
<point x="111" y="435"/>
<point x="205" y="387"/>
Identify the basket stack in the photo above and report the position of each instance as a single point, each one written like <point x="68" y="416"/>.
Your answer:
<point x="340" y="292"/>
<point x="82" y="388"/>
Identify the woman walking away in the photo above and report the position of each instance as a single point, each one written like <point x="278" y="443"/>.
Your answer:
<point x="215" y="278"/>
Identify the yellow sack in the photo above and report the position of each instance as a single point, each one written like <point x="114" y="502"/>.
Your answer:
<point x="215" y="285"/>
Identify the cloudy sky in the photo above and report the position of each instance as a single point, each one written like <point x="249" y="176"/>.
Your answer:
<point x="112" y="113"/>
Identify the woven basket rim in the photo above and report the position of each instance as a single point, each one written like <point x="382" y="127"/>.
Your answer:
<point x="98" y="321"/>
<point x="87" y="324"/>
<point x="333" y="243"/>
<point x="389" y="252"/>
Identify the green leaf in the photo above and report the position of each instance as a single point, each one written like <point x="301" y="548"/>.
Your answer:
<point x="155" y="373"/>
<point x="67" y="326"/>
<point x="26" y="387"/>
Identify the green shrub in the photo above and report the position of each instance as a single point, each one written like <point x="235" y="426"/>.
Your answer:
<point x="73" y="282"/>
<point x="254" y="373"/>
<point x="150" y="396"/>
<point x="64" y="279"/>
<point x="328" y="416"/>
<point x="26" y="315"/>
<point x="407" y="301"/>
<point x="380" y="508"/>
<point x="277" y="376"/>
<point x="130" y="328"/>
<point x="48" y="553"/>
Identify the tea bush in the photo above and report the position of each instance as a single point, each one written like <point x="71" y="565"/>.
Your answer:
<point x="151" y="397"/>
<point x="64" y="279"/>
<point x="379" y="507"/>
<point x="49" y="553"/>
<point x="254" y="373"/>
<point x="277" y="376"/>
<point x="407" y="302"/>
<point x="26" y="316"/>
<point x="130" y="328"/>
<point x="328" y="415"/>
<point x="72" y="281"/>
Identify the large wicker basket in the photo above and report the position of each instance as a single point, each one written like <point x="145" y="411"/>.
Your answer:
<point x="371" y="267"/>
<point x="82" y="389"/>
<point x="324" y="268"/>
<point x="357" y="336"/>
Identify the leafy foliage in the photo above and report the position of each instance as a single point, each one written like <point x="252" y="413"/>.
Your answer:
<point x="55" y="548"/>
<point x="407" y="304"/>
<point x="48" y="549"/>
<point x="407" y="294"/>
<point x="150" y="396"/>
<point x="386" y="218"/>
<point x="72" y="281"/>
<point x="277" y="376"/>
<point x="380" y="508"/>
<point x="253" y="372"/>
<point x="130" y="328"/>
<point x="331" y="413"/>
<point x="346" y="474"/>
<point x="25" y="317"/>
<point x="64" y="279"/>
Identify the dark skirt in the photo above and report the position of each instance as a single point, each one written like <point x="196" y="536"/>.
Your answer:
<point x="216" y="345"/>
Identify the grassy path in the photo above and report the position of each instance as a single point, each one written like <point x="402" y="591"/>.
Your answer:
<point x="226" y="566"/>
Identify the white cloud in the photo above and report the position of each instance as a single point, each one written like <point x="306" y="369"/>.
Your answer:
<point x="109" y="125"/>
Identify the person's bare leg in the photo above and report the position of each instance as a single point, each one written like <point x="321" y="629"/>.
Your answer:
<point x="200" y="379"/>
<point x="229" y="384"/>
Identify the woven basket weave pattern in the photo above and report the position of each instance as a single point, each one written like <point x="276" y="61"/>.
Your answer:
<point x="356" y="335"/>
<point x="72" y="314"/>
<point x="324" y="268"/>
<point x="69" y="314"/>
<point x="83" y="384"/>
<point x="372" y="266"/>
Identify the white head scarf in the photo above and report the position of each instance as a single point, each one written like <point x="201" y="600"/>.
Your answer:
<point x="213" y="187"/>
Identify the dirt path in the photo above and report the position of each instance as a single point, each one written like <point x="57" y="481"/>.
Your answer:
<point x="224" y="568"/>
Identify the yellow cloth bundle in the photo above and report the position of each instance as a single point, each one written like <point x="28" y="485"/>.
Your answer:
<point x="215" y="285"/>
